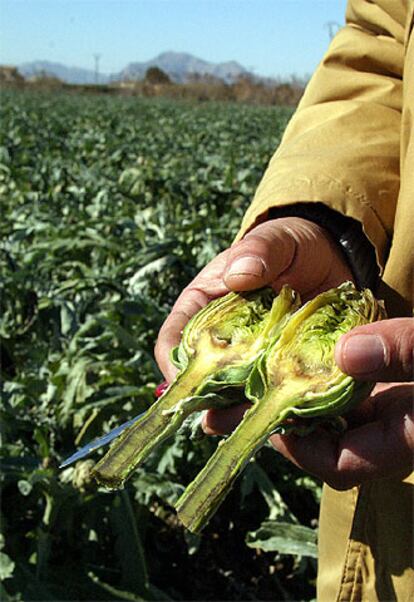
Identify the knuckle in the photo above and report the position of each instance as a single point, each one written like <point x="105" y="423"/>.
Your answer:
<point x="159" y="357"/>
<point x="406" y="351"/>
<point x="408" y="430"/>
<point x="344" y="474"/>
<point x="157" y="349"/>
<point x="253" y="244"/>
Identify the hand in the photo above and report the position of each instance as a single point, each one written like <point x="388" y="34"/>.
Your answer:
<point x="290" y="251"/>
<point x="379" y="441"/>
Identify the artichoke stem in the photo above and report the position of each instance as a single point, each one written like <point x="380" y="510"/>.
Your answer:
<point x="203" y="496"/>
<point x="140" y="439"/>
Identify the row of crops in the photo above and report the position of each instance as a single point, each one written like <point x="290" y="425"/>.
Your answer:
<point x="109" y="207"/>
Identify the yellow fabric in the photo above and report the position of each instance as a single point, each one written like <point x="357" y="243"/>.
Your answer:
<point x="349" y="137"/>
<point x="350" y="145"/>
<point x="366" y="543"/>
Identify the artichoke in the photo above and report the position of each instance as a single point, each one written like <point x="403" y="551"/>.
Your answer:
<point x="295" y="376"/>
<point x="218" y="349"/>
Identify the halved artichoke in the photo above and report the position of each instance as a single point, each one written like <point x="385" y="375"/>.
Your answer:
<point x="296" y="375"/>
<point x="217" y="351"/>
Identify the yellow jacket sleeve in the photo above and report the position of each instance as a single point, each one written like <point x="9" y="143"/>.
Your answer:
<point x="342" y="145"/>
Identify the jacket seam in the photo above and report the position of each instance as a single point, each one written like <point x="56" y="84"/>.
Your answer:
<point x="349" y="549"/>
<point x="345" y="189"/>
<point x="356" y="573"/>
<point x="345" y="573"/>
<point x="357" y="530"/>
<point x="409" y="28"/>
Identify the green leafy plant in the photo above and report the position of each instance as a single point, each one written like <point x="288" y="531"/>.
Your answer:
<point x="110" y="206"/>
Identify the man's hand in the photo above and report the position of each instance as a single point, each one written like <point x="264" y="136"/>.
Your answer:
<point x="382" y="351"/>
<point x="380" y="439"/>
<point x="290" y="251"/>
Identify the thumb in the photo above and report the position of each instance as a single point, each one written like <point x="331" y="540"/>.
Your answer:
<point x="287" y="250"/>
<point x="382" y="351"/>
<point x="263" y="254"/>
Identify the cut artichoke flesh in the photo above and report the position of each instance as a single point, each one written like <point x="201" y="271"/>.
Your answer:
<point x="296" y="375"/>
<point x="217" y="351"/>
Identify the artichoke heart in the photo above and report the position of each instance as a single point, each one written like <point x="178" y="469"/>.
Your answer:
<point x="217" y="351"/>
<point x="296" y="375"/>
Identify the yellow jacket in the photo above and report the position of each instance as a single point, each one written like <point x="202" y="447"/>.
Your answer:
<point x="350" y="145"/>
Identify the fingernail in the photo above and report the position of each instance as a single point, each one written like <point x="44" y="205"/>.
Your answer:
<point x="363" y="354"/>
<point x="247" y="266"/>
<point x="161" y="388"/>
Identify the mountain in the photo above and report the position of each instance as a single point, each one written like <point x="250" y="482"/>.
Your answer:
<point x="179" y="66"/>
<point x="71" y="75"/>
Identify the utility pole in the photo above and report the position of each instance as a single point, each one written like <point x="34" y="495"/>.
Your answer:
<point x="97" y="58"/>
<point x="332" y="27"/>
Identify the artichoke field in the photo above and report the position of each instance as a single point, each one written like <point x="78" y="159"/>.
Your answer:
<point x="109" y="207"/>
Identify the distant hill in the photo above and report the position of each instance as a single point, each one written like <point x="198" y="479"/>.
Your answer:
<point x="71" y="75"/>
<point x="180" y="66"/>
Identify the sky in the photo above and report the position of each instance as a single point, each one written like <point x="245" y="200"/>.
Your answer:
<point x="269" y="37"/>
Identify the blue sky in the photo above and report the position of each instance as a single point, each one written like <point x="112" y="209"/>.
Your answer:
<point x="270" y="37"/>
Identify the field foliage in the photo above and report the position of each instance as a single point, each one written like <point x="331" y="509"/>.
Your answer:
<point x="109" y="207"/>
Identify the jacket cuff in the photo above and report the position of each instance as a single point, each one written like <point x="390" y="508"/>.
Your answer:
<point x="347" y="232"/>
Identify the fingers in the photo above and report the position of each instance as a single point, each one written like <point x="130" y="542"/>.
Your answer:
<point x="290" y="251"/>
<point x="206" y="286"/>
<point x="382" y="351"/>
<point x="262" y="255"/>
<point x="169" y="337"/>
<point x="223" y="421"/>
<point x="378" y="449"/>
